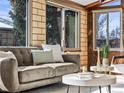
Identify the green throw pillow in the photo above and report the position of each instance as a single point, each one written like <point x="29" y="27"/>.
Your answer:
<point x="41" y="57"/>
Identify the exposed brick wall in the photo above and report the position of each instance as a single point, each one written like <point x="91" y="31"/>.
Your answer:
<point x="39" y="25"/>
<point x="84" y="40"/>
<point x="38" y="22"/>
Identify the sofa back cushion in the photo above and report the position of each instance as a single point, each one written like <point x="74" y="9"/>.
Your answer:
<point x="23" y="55"/>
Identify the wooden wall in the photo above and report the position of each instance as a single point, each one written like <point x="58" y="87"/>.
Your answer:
<point x="92" y="55"/>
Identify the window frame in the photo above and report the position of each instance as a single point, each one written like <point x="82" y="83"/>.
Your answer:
<point x="121" y="27"/>
<point x="28" y="28"/>
<point x="63" y="25"/>
<point x="28" y="20"/>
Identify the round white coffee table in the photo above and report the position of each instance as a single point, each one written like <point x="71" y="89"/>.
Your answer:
<point x="97" y="80"/>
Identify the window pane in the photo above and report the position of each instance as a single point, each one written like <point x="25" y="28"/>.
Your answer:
<point x="71" y="30"/>
<point x="114" y="29"/>
<point x="108" y="28"/>
<point x="53" y="25"/>
<point x="114" y="3"/>
<point x="13" y="22"/>
<point x="101" y="29"/>
<point x="62" y="27"/>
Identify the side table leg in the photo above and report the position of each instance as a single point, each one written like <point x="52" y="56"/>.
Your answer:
<point x="68" y="89"/>
<point x="79" y="89"/>
<point x="100" y="90"/>
<point x="109" y="88"/>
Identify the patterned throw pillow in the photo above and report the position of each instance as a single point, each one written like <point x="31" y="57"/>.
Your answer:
<point x="56" y="50"/>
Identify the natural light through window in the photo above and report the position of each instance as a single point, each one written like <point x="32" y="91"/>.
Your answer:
<point x="13" y="17"/>
<point x="62" y="27"/>
<point x="113" y="3"/>
<point x="107" y="28"/>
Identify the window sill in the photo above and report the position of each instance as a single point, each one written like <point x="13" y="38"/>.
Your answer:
<point x="111" y="49"/>
<point x="72" y="49"/>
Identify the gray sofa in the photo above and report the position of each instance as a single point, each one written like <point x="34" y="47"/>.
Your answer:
<point x="22" y="75"/>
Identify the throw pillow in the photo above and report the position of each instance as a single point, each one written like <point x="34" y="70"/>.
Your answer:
<point x="56" y="50"/>
<point x="8" y="54"/>
<point x="40" y="56"/>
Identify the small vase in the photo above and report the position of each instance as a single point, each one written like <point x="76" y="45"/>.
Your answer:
<point x="105" y="62"/>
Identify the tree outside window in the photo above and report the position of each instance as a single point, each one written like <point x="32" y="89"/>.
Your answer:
<point x="13" y="15"/>
<point x="18" y="15"/>
<point x="62" y="26"/>
<point x="107" y="29"/>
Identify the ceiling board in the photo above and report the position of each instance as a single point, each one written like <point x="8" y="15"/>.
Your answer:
<point x="84" y="2"/>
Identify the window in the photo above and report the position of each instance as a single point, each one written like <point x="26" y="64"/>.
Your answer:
<point x="53" y="34"/>
<point x="13" y="22"/>
<point x="62" y="26"/>
<point x="112" y="3"/>
<point x="107" y="28"/>
<point x="71" y="29"/>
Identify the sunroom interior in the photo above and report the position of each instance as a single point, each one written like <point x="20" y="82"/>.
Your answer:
<point x="80" y="27"/>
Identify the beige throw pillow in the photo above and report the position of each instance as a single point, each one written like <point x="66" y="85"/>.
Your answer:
<point x="56" y="50"/>
<point x="8" y="54"/>
<point x="40" y="56"/>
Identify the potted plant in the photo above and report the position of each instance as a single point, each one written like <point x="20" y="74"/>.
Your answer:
<point x="105" y="54"/>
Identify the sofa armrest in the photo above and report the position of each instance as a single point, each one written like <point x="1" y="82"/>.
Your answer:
<point x="75" y="58"/>
<point x="9" y="74"/>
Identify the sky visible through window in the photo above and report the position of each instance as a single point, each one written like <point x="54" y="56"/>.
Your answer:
<point x="114" y="23"/>
<point x="108" y="28"/>
<point x="4" y="8"/>
<point x="114" y="3"/>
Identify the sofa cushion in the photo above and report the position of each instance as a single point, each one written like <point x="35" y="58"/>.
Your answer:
<point x="23" y="55"/>
<point x="56" y="50"/>
<point x="33" y="73"/>
<point x="8" y="54"/>
<point x="63" y="68"/>
<point x="40" y="56"/>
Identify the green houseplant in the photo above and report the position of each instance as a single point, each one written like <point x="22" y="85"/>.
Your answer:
<point x="105" y="54"/>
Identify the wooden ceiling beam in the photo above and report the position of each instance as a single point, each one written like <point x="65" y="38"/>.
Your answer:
<point x="107" y="1"/>
<point x="122" y="3"/>
<point x="104" y="1"/>
<point x="92" y="5"/>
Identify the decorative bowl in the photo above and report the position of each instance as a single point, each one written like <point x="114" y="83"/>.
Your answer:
<point x="85" y="75"/>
